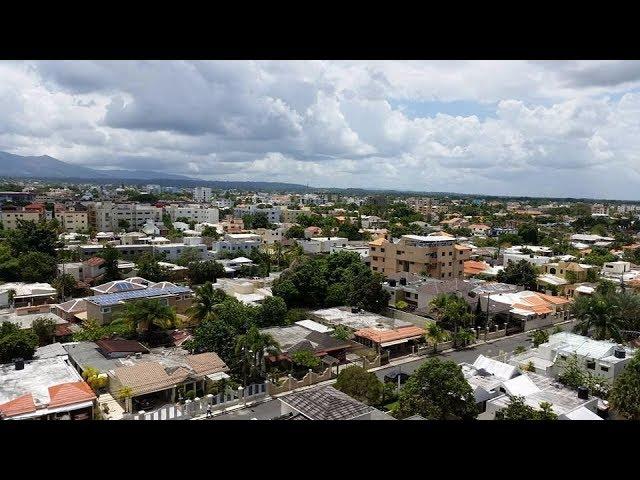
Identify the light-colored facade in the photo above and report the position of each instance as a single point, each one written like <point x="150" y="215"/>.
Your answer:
<point x="291" y="216"/>
<point x="107" y="215"/>
<point x="10" y="217"/>
<point x="237" y="242"/>
<point x="72" y="220"/>
<point x="437" y="256"/>
<point x="273" y="214"/>
<point x="202" y="194"/>
<point x="193" y="213"/>
<point x="322" y="244"/>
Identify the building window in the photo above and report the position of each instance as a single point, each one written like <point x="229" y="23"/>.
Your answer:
<point x="382" y="250"/>
<point x="591" y="364"/>
<point x="603" y="368"/>
<point x="450" y="253"/>
<point x="443" y="254"/>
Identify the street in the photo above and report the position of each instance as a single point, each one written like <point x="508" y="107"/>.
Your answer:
<point x="502" y="345"/>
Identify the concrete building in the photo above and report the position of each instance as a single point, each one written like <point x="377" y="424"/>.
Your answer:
<point x="11" y="215"/>
<point x="251" y="291"/>
<point x="598" y="357"/>
<point x="45" y="389"/>
<point x="193" y="213"/>
<point x="71" y="219"/>
<point x="240" y="243"/>
<point x="291" y="216"/>
<point x="107" y="215"/>
<point x="273" y="214"/>
<point x="535" y="389"/>
<point x="17" y="197"/>
<point x="435" y="256"/>
<point x="26" y="294"/>
<point x="322" y="244"/>
<point x="485" y="377"/>
<point x="202" y="194"/>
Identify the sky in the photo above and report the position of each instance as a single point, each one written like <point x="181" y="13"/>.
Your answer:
<point x="538" y="128"/>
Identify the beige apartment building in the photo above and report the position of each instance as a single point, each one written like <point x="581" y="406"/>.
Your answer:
<point x="72" y="220"/>
<point x="10" y="218"/>
<point x="434" y="256"/>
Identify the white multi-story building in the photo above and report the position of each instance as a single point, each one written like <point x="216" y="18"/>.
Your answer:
<point x="222" y="202"/>
<point x="193" y="213"/>
<point x="237" y="243"/>
<point x="272" y="213"/>
<point x="202" y="194"/>
<point x="107" y="215"/>
<point x="322" y="244"/>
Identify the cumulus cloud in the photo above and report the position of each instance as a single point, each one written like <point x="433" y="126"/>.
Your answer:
<point x="535" y="128"/>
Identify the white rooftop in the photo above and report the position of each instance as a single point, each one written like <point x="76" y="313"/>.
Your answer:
<point x="315" y="326"/>
<point x="430" y="238"/>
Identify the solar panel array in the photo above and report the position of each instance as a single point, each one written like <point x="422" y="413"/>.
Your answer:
<point x="115" y="298"/>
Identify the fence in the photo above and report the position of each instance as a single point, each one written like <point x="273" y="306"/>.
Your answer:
<point x="198" y="406"/>
<point x="291" y="383"/>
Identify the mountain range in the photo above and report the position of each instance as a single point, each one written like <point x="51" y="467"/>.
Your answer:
<point x="44" y="166"/>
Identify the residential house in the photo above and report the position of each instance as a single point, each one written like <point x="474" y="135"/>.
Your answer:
<point x="237" y="243"/>
<point x="20" y="294"/>
<point x="598" y="357"/>
<point x="322" y="244"/>
<point x="44" y="389"/>
<point x="486" y="376"/>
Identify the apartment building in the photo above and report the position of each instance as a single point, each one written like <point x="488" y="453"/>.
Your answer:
<point x="273" y="214"/>
<point x="193" y="213"/>
<point x="237" y="243"/>
<point x="291" y="216"/>
<point x="435" y="256"/>
<point x="17" y="197"/>
<point x="202" y="194"/>
<point x="107" y="215"/>
<point x="11" y="215"/>
<point x="72" y="219"/>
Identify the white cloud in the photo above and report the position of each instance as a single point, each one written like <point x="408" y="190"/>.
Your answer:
<point x="525" y="127"/>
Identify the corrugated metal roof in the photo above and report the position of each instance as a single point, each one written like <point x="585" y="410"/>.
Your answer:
<point x="115" y="298"/>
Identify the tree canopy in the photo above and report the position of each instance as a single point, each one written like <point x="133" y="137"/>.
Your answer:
<point x="356" y="382"/>
<point x="519" y="273"/>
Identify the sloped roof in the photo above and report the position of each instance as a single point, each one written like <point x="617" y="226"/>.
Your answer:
<point x="94" y="261"/>
<point x="380" y="336"/>
<point x="206" y="363"/>
<point x="326" y="403"/>
<point x="18" y="406"/>
<point x="70" y="393"/>
<point x="148" y="377"/>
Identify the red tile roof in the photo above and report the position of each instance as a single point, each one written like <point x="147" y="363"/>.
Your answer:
<point x="70" y="393"/>
<point x="18" y="406"/>
<point x="94" y="261"/>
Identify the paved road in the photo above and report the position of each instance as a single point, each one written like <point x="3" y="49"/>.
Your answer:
<point x="506" y="344"/>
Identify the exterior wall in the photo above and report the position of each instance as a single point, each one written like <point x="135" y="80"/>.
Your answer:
<point x="291" y="216"/>
<point x="108" y="215"/>
<point x="194" y="213"/>
<point x="202" y="194"/>
<point x="72" y="221"/>
<point x="443" y="261"/>
<point x="10" y="218"/>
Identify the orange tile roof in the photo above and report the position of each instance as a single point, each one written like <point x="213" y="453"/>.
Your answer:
<point x="539" y="309"/>
<point x="18" y="406"/>
<point x="554" y="300"/>
<point x="70" y="393"/>
<point x="461" y="247"/>
<point x="381" y="336"/>
<point x="473" y="267"/>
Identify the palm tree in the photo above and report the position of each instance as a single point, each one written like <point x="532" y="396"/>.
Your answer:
<point x="259" y="344"/>
<point x="600" y="314"/>
<point x="64" y="284"/>
<point x="294" y="253"/>
<point x="206" y="298"/>
<point x="451" y="310"/>
<point x="436" y="334"/>
<point x="463" y="337"/>
<point x="145" y="314"/>
<point x="278" y="253"/>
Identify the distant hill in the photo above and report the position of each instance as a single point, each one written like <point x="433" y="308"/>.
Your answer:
<point x="18" y="166"/>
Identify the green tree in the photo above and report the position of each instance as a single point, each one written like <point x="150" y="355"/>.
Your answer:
<point x="110" y="255"/>
<point x="7" y="328"/>
<point x="305" y="358"/>
<point x="625" y="394"/>
<point x="205" y="300"/>
<point x="529" y="233"/>
<point x="19" y="344"/>
<point x="437" y="390"/>
<point x="205" y="271"/>
<point x="147" y="314"/>
<point x="518" y="410"/>
<point x="599" y="314"/>
<point x="273" y="311"/>
<point x="65" y="284"/>
<point x="210" y="232"/>
<point x="295" y="231"/>
<point x="539" y="337"/>
<point x="213" y="335"/>
<point x="341" y="333"/>
<point x="258" y="344"/>
<point x="519" y="273"/>
<point x="124" y="225"/>
<point x="149" y="268"/>
<point x="30" y="236"/>
<point x="37" y="267"/>
<point x="44" y="328"/>
<point x="435" y="334"/>
<point x="356" y="382"/>
<point x="188" y="256"/>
